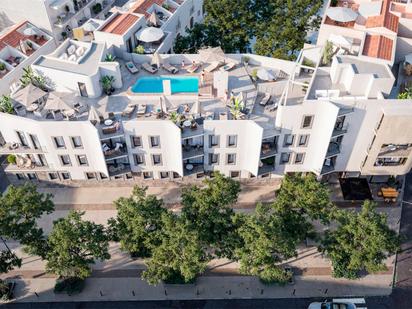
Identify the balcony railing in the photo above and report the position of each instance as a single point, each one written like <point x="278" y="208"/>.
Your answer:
<point x="192" y="151"/>
<point x="340" y="131"/>
<point x="16" y="148"/>
<point x="333" y="149"/>
<point x="117" y="169"/>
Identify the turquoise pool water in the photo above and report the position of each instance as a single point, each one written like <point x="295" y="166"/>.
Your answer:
<point x="154" y="84"/>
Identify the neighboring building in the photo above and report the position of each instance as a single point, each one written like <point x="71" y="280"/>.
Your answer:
<point x="54" y="16"/>
<point x="338" y="117"/>
<point x="172" y="17"/>
<point x="18" y="51"/>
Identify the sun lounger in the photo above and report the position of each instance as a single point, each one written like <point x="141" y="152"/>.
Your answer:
<point x="193" y="68"/>
<point x="229" y="66"/>
<point x="141" y="109"/>
<point x="149" y="68"/>
<point x="128" y="111"/>
<point x="170" y="68"/>
<point x="131" y="67"/>
<point x="213" y="66"/>
<point x="265" y="99"/>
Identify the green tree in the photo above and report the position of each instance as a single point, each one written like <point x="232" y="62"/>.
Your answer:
<point x="283" y="25"/>
<point x="200" y="36"/>
<point x="270" y="236"/>
<point x="74" y="244"/>
<point x="208" y="211"/>
<point x="361" y="242"/>
<point x="138" y="223"/>
<point x="8" y="260"/>
<point x="307" y="195"/>
<point x="180" y="256"/>
<point x="20" y="208"/>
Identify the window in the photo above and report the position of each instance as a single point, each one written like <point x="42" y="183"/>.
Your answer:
<point x="103" y="176"/>
<point x="231" y="158"/>
<point x="136" y="141"/>
<point x="77" y="142"/>
<point x="147" y="175"/>
<point x="213" y="141"/>
<point x="307" y="122"/>
<point x="231" y="140"/>
<point x="303" y="140"/>
<point x="31" y="176"/>
<point x="299" y="157"/>
<point x="22" y="138"/>
<point x="65" y="160"/>
<point x="90" y="176"/>
<point x="284" y="157"/>
<point x="234" y="174"/>
<point x="82" y="160"/>
<point x="288" y="139"/>
<point x="53" y="176"/>
<point x="42" y="160"/>
<point x="164" y="175"/>
<point x="157" y="159"/>
<point x="213" y="159"/>
<point x="138" y="159"/>
<point x="59" y="142"/>
<point x="154" y="141"/>
<point x="20" y="176"/>
<point x="34" y="141"/>
<point x="65" y="175"/>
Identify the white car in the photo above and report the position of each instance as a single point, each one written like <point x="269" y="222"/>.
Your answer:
<point x="331" y="305"/>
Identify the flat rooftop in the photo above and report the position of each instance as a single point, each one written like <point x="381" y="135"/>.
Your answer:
<point x="366" y="67"/>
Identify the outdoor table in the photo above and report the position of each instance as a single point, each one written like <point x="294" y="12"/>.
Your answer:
<point x="187" y="123"/>
<point x="189" y="167"/>
<point x="108" y="122"/>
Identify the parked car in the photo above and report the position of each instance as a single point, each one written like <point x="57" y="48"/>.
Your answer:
<point x="332" y="305"/>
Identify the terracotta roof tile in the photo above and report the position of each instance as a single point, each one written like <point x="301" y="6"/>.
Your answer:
<point x="120" y="24"/>
<point x="142" y="6"/>
<point x="385" y="19"/>
<point x="378" y="46"/>
<point x="14" y="36"/>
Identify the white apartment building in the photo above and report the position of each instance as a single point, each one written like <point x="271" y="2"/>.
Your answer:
<point x="339" y="117"/>
<point x="57" y="17"/>
<point x="173" y="18"/>
<point x="18" y="50"/>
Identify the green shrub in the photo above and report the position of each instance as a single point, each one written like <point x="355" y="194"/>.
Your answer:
<point x="71" y="285"/>
<point x="2" y="66"/>
<point x="11" y="159"/>
<point x="6" y="292"/>
<point x="139" y="50"/>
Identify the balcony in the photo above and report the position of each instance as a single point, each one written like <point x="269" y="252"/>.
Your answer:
<point x="110" y="129"/>
<point x="340" y="131"/>
<point x="395" y="150"/>
<point x="27" y="166"/>
<point x="267" y="165"/>
<point x="16" y="148"/>
<point x="327" y="169"/>
<point x="192" y="132"/>
<point x="115" y="151"/>
<point x="117" y="169"/>
<point x="193" y="169"/>
<point x="268" y="150"/>
<point x="333" y="149"/>
<point x="189" y="152"/>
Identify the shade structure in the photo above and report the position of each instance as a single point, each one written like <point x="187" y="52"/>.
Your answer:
<point x="29" y="95"/>
<point x="196" y="108"/>
<point x="264" y="74"/>
<point x="55" y="101"/>
<point x="341" y="14"/>
<point x="22" y="47"/>
<point x="154" y="20"/>
<point x="166" y="105"/>
<point x="156" y="59"/>
<point x="340" y="40"/>
<point x="150" y="34"/>
<point x="94" y="116"/>
<point x="29" y="31"/>
<point x="90" y="26"/>
<point x="408" y="58"/>
<point x="211" y="54"/>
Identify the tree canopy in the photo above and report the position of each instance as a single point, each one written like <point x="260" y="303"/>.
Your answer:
<point x="8" y="260"/>
<point x="208" y="211"/>
<point x="280" y="27"/>
<point x="361" y="242"/>
<point x="180" y="256"/>
<point x="138" y="223"/>
<point x="21" y="207"/>
<point x="74" y="244"/>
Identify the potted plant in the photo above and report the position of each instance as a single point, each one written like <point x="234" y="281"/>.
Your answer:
<point x="66" y="7"/>
<point x="175" y="117"/>
<point x="109" y="58"/>
<point x="139" y="50"/>
<point x="407" y="69"/>
<point x="253" y="75"/>
<point x="107" y="84"/>
<point x="97" y="8"/>
<point x="11" y="159"/>
<point x="3" y="69"/>
<point x="245" y="60"/>
<point x="165" y="6"/>
<point x="64" y="35"/>
<point x="6" y="106"/>
<point x="327" y="53"/>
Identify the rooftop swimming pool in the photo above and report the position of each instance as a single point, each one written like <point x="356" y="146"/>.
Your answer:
<point x="154" y="84"/>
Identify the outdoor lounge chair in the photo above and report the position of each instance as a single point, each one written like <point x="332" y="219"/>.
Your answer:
<point x="228" y="66"/>
<point x="128" y="111"/>
<point x="131" y="67"/>
<point x="149" y="68"/>
<point x="213" y="66"/>
<point x="141" y="109"/>
<point x="193" y="68"/>
<point x="170" y="68"/>
<point x="265" y="99"/>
